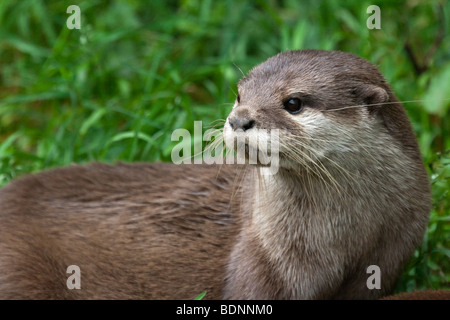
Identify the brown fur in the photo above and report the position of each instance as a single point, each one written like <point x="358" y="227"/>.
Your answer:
<point x="421" y="295"/>
<point x="135" y="231"/>
<point x="162" y="231"/>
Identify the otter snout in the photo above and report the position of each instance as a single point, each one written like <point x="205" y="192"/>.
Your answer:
<point x="241" y="123"/>
<point x="241" y="119"/>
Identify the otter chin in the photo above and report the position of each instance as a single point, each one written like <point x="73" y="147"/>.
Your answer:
<point x="260" y="148"/>
<point x="338" y="185"/>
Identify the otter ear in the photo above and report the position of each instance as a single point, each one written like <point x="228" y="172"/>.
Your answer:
<point x="372" y="96"/>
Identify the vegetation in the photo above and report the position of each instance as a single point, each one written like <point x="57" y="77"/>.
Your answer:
<point x="137" y="70"/>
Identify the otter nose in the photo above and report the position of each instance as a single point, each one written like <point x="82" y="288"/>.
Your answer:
<point x="241" y="123"/>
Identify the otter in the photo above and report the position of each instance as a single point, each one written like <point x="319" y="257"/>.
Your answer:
<point x="350" y="191"/>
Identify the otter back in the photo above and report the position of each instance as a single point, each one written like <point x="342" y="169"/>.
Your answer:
<point x="136" y="231"/>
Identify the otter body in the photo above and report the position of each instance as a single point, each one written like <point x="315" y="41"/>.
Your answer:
<point x="136" y="231"/>
<point x="350" y="192"/>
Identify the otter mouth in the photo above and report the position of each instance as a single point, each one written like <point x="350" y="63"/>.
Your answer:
<point x="250" y="155"/>
<point x="246" y="152"/>
<point x="258" y="147"/>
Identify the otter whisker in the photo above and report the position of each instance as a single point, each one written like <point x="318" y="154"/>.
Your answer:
<point x="335" y="140"/>
<point x="309" y="178"/>
<point x="348" y="135"/>
<point x="317" y="163"/>
<point x="237" y="67"/>
<point x="381" y="103"/>
<point x="363" y="146"/>
<point x="299" y="156"/>
<point x="216" y="124"/>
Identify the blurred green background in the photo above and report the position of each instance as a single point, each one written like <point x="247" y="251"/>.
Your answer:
<point x="137" y="70"/>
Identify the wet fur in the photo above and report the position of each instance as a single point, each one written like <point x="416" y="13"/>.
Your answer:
<point x="351" y="192"/>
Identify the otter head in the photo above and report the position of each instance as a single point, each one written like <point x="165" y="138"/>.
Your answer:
<point x="324" y="104"/>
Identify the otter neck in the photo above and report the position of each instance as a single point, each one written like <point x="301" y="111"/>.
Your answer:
<point x="287" y="206"/>
<point x="297" y="213"/>
<point x="294" y="224"/>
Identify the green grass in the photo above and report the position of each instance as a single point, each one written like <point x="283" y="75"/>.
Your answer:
<point x="200" y="296"/>
<point x="137" y="70"/>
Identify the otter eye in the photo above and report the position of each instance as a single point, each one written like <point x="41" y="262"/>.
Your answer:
<point x="238" y="98"/>
<point x="293" y="105"/>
